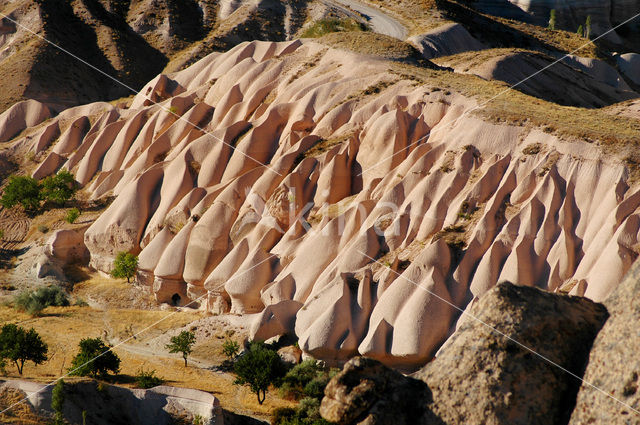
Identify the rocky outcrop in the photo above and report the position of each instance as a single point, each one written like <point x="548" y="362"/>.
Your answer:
<point x="610" y="393"/>
<point x="111" y="405"/>
<point x="514" y="360"/>
<point x="28" y="113"/>
<point x="597" y="84"/>
<point x="449" y="39"/>
<point x="368" y="392"/>
<point x="269" y="178"/>
<point x="67" y="246"/>
<point x="629" y="65"/>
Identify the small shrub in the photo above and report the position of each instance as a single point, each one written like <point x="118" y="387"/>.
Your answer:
<point x="552" y="20"/>
<point x="307" y="413"/>
<point x="173" y="110"/>
<point x="79" y="302"/>
<point x="532" y="149"/>
<point x="230" y="348"/>
<point x="148" y="379"/>
<point x="43" y="228"/>
<point x="57" y="402"/>
<point x="72" y="215"/>
<point x="294" y="382"/>
<point x="33" y="302"/>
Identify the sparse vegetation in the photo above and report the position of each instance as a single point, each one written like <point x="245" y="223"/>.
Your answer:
<point x="552" y="20"/>
<point x="57" y="401"/>
<point x="148" y="379"/>
<point x="587" y="27"/>
<point x="230" y="348"/>
<point x="94" y="359"/>
<point x="19" y="345"/>
<point x="43" y="228"/>
<point x="532" y="149"/>
<point x="305" y="382"/>
<point x="308" y="379"/>
<point x="327" y="26"/>
<point x="182" y="343"/>
<point x="258" y="368"/>
<point x="125" y="266"/>
<point x="72" y="215"/>
<point x="33" y="302"/>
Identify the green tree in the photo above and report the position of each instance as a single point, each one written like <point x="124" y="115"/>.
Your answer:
<point x="22" y="190"/>
<point x="20" y="345"/>
<point x="230" y="348"/>
<point x="182" y="343"/>
<point x="125" y="265"/>
<point x="72" y="215"/>
<point x="57" y="401"/>
<point x="587" y="27"/>
<point x="580" y="31"/>
<point x="59" y="188"/>
<point x="95" y="358"/>
<point x="259" y="368"/>
<point x="552" y="19"/>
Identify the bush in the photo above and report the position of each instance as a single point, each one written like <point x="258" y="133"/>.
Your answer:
<point x="19" y="345"/>
<point x="124" y="265"/>
<point x="307" y="413"/>
<point x="57" y="401"/>
<point x="42" y="228"/>
<point x="258" y="368"/>
<point x="296" y="380"/>
<point x="33" y="302"/>
<point x="59" y="188"/>
<point x="94" y="359"/>
<point x="327" y="26"/>
<point x="148" y="379"/>
<point x="72" y="215"/>
<point x="22" y="190"/>
<point x="230" y="348"/>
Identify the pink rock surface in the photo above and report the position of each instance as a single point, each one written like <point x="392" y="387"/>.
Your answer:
<point x="272" y="191"/>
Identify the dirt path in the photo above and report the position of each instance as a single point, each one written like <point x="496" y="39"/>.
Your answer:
<point x="379" y="21"/>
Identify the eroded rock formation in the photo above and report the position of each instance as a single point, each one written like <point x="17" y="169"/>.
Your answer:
<point x="267" y="180"/>
<point x="512" y="361"/>
<point x="614" y="367"/>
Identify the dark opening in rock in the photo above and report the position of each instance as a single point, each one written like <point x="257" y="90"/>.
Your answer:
<point x="175" y="299"/>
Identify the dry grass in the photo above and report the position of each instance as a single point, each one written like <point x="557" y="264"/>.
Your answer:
<point x="63" y="327"/>
<point x="374" y="44"/>
<point x="501" y="105"/>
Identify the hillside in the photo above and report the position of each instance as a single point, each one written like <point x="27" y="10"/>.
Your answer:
<point x="383" y="164"/>
<point x="294" y="168"/>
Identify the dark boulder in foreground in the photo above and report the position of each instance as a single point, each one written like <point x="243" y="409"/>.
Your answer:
<point x="482" y="375"/>
<point x="614" y="363"/>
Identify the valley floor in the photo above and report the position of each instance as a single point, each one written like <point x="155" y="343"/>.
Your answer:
<point x="63" y="327"/>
